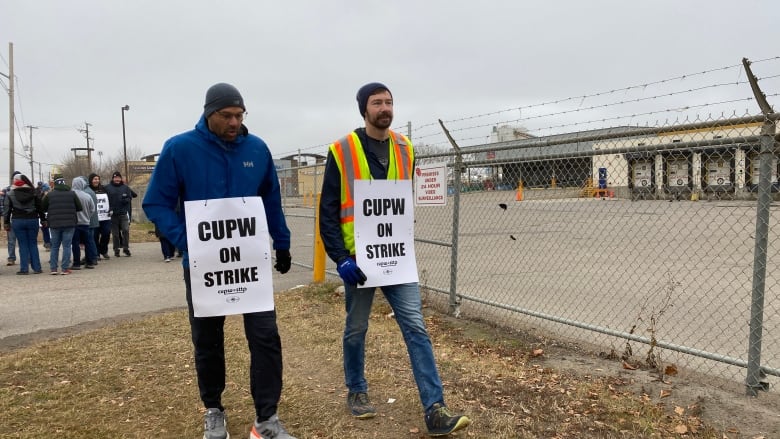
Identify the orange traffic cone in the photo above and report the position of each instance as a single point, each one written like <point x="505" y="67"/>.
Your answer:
<point x="519" y="194"/>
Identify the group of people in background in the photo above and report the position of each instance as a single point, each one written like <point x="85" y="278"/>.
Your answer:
<point x="84" y="214"/>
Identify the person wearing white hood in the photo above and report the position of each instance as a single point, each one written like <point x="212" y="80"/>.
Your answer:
<point x="83" y="234"/>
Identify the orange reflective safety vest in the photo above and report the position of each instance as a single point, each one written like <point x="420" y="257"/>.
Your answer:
<point x="353" y="165"/>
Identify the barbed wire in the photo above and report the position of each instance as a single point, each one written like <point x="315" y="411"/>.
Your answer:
<point x="593" y="107"/>
<point x="608" y="119"/>
<point x="586" y="96"/>
<point x="602" y="93"/>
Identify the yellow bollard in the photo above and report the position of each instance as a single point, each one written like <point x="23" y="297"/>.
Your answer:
<point x="319" y="248"/>
<point x="519" y="195"/>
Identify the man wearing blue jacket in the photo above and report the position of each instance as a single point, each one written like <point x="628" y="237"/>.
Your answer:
<point x="220" y="159"/>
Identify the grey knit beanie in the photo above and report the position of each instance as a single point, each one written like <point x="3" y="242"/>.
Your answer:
<point x="221" y="96"/>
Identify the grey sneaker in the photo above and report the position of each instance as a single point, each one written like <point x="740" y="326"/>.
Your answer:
<point x="360" y="406"/>
<point x="215" y="424"/>
<point x="269" y="429"/>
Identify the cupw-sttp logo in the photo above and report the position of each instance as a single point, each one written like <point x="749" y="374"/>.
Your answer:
<point x="249" y="164"/>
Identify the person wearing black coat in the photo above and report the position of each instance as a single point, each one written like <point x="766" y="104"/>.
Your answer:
<point x="120" y="207"/>
<point x="22" y="211"/>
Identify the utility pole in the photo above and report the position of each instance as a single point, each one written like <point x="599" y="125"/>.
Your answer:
<point x="10" y="77"/>
<point x="89" y="150"/>
<point x="32" y="167"/>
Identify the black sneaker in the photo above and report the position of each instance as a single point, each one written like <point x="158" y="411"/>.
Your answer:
<point x="105" y="256"/>
<point x="127" y="252"/>
<point x="116" y="253"/>
<point x="441" y="422"/>
<point x="360" y="406"/>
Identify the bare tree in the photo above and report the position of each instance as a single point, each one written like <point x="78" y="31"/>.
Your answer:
<point x="73" y="165"/>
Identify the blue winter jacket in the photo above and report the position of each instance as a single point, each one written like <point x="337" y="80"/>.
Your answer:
<point x="198" y="165"/>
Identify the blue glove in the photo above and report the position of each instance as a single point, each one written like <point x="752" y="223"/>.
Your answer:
<point x="350" y="272"/>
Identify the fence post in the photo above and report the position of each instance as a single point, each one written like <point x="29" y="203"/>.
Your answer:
<point x="454" y="303"/>
<point x="755" y="379"/>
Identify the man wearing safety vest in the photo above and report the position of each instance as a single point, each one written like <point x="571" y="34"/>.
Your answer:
<point x="376" y="152"/>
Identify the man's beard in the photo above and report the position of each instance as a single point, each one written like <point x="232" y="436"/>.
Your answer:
<point x="382" y="120"/>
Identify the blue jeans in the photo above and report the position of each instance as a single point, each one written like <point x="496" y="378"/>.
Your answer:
<point x="26" y="231"/>
<point x="84" y="235"/>
<point x="60" y="236"/>
<point x="11" y="244"/>
<point x="46" y="235"/>
<point x="407" y="306"/>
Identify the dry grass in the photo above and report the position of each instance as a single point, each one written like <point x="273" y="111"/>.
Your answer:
<point x="136" y="380"/>
<point x="142" y="232"/>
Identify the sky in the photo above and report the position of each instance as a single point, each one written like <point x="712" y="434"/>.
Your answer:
<point x="299" y="63"/>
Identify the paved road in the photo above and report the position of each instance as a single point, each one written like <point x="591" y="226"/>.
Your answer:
<point x="120" y="286"/>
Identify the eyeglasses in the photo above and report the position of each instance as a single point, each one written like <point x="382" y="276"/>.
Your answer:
<point x="227" y="116"/>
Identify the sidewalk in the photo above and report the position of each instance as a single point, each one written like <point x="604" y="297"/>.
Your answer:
<point x="123" y="286"/>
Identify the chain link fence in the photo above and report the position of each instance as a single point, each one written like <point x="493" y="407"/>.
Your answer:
<point x="641" y="243"/>
<point x="651" y="241"/>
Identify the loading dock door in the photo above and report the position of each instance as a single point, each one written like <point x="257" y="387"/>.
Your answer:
<point x="755" y="171"/>
<point x="718" y="172"/>
<point x="643" y="174"/>
<point x="677" y="173"/>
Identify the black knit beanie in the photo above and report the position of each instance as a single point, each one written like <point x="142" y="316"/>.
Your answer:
<point x="365" y="92"/>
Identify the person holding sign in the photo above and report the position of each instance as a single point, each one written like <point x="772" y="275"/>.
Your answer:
<point x="376" y="153"/>
<point x="103" y="231"/>
<point x="220" y="161"/>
